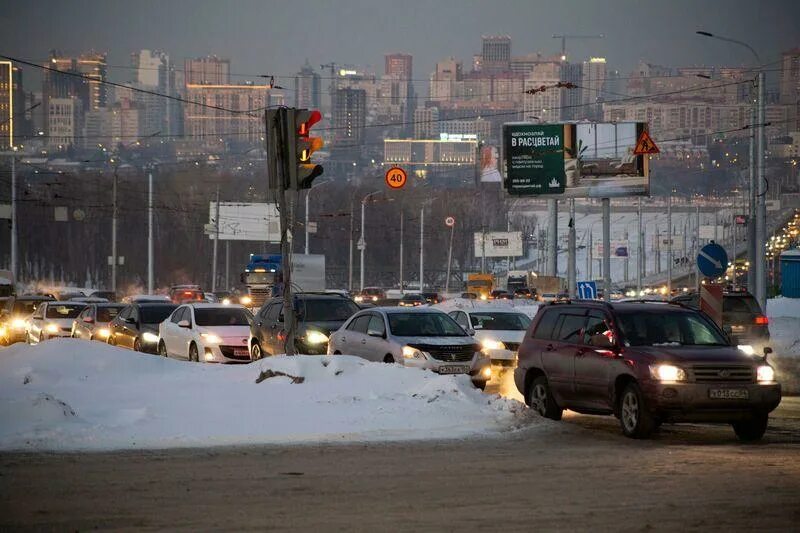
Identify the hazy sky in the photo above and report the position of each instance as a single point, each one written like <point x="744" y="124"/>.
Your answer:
<point x="276" y="37"/>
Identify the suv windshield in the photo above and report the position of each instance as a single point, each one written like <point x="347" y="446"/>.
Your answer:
<point x="156" y="314"/>
<point x="500" y="321"/>
<point x="25" y="307"/>
<point x="648" y="328"/>
<point x="64" y="310"/>
<point x="221" y="317"/>
<point x="324" y="310"/>
<point x="424" y="325"/>
<point x="107" y="314"/>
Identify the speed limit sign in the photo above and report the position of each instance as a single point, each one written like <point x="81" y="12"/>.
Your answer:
<point x="396" y="178"/>
<point x="449" y="222"/>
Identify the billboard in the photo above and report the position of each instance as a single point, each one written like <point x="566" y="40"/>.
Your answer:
<point x="499" y="244"/>
<point x="583" y="160"/>
<point x="711" y="232"/>
<point x="660" y="241"/>
<point x="619" y="248"/>
<point x="490" y="167"/>
<point x="245" y="222"/>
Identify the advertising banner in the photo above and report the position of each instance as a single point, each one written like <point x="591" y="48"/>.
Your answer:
<point x="245" y="222"/>
<point x="619" y="248"/>
<point x="499" y="244"/>
<point x="584" y="160"/>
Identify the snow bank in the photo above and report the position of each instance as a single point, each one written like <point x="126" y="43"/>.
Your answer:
<point x="73" y="395"/>
<point x="783" y="307"/>
<point x="523" y="306"/>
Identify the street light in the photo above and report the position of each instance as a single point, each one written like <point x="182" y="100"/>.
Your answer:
<point x="758" y="208"/>
<point x="362" y="243"/>
<point x="308" y="193"/>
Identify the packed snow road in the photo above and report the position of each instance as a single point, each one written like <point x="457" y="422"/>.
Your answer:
<point x="578" y="474"/>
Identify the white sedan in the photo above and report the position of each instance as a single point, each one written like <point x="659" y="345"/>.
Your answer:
<point x="52" y="319"/>
<point x="500" y="331"/>
<point x="208" y="332"/>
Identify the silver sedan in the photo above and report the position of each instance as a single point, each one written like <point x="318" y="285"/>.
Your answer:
<point x="414" y="337"/>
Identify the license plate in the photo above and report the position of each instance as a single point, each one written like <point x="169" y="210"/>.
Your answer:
<point x="454" y="369"/>
<point x="240" y="351"/>
<point x="728" y="394"/>
<point x="737" y="329"/>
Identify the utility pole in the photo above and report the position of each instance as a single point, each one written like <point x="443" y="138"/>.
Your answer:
<point x="401" y="247"/>
<point x="14" y="233"/>
<point x="761" y="206"/>
<point x="449" y="259"/>
<point x="150" y="274"/>
<point x="421" y="247"/>
<point x="350" y="256"/>
<point x="227" y="265"/>
<point x="114" y="216"/>
<point x="606" y="202"/>
<point x="589" y="257"/>
<point x="750" y="228"/>
<point x="279" y="129"/>
<point x="362" y="242"/>
<point x="697" y="248"/>
<point x="640" y="248"/>
<point x="308" y="192"/>
<point x="216" y="241"/>
<point x="571" y="267"/>
<point x="669" y="244"/>
<point x="552" y="242"/>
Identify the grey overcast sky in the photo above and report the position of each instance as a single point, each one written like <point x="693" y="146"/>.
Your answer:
<point x="267" y="36"/>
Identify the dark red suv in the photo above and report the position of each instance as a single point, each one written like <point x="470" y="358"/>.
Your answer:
<point x="645" y="363"/>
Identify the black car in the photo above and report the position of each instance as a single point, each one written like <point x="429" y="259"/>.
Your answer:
<point x="432" y="297"/>
<point x="92" y="323"/>
<point x="136" y="326"/>
<point x="412" y="299"/>
<point x="318" y="314"/>
<point x="742" y="318"/>
<point x="525" y="293"/>
<point x="111" y="296"/>
<point x="14" y="314"/>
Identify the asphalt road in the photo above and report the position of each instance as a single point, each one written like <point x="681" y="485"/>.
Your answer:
<point x="578" y="474"/>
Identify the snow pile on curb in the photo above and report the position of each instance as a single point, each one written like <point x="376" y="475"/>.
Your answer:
<point x="781" y="307"/>
<point x="73" y="395"/>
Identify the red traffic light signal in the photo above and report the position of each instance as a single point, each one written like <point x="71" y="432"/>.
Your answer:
<point x="301" y="147"/>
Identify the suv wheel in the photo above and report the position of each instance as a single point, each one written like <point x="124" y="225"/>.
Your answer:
<point x="751" y="430"/>
<point x="162" y="349"/>
<point x="193" y="355"/>
<point x="636" y="420"/>
<point x="255" y="352"/>
<point x="541" y="400"/>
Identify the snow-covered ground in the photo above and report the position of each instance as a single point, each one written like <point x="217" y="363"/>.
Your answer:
<point x="784" y="331"/>
<point x="73" y="395"/>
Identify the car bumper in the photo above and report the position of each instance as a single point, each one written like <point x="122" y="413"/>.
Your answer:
<point x="224" y="354"/>
<point x="691" y="402"/>
<point x="474" y="368"/>
<point x="502" y="357"/>
<point x="14" y="335"/>
<point x="61" y="334"/>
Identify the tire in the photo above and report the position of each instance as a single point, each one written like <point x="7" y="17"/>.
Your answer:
<point x="636" y="421"/>
<point x="389" y="358"/>
<point x="110" y="341"/>
<point x="137" y="345"/>
<point x="193" y="355"/>
<point x="162" y="349"/>
<point x="751" y="430"/>
<point x="255" y="352"/>
<point x="541" y="400"/>
<point x="479" y="385"/>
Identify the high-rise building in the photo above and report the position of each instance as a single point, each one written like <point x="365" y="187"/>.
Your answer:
<point x="572" y="107"/>
<point x="153" y="72"/>
<point x="426" y="123"/>
<point x="543" y="106"/>
<point x="209" y="70"/>
<point x="399" y="65"/>
<point x="442" y="81"/>
<point x="349" y="117"/>
<point x="65" y="120"/>
<point x="594" y="77"/>
<point x="790" y="77"/>
<point x="496" y="53"/>
<point x="524" y="64"/>
<point x="307" y="88"/>
<point x="12" y="105"/>
<point x="84" y="79"/>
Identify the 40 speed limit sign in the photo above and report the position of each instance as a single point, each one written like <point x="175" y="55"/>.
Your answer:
<point x="396" y="178"/>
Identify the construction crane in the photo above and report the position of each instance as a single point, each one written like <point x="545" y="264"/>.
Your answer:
<point x="564" y="41"/>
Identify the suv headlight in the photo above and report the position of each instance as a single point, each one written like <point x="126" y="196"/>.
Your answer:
<point x="410" y="352"/>
<point x="667" y="373"/>
<point x="150" y="337"/>
<point x="52" y="328"/>
<point x="746" y="349"/>
<point x="105" y="332"/>
<point x="211" y="338"/>
<point x="245" y="300"/>
<point x="316" y="337"/>
<point x="491" y="344"/>
<point x="765" y="374"/>
<point x="18" y="323"/>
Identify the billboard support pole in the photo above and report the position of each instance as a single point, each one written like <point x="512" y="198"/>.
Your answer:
<point x="571" y="267"/>
<point x="552" y="241"/>
<point x="216" y="245"/>
<point x="606" y="249"/>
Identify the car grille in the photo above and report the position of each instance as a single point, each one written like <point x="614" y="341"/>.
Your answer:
<point x="719" y="373"/>
<point x="457" y="352"/>
<point x="227" y="351"/>
<point x="513" y="346"/>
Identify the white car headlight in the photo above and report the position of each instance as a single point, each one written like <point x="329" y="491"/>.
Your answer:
<point x="412" y="353"/>
<point x="374" y="298"/>
<point x="105" y="332"/>
<point x="211" y="338"/>
<point x="149" y="337"/>
<point x="765" y="374"/>
<point x="667" y="373"/>
<point x="747" y="349"/>
<point x="316" y="337"/>
<point x="245" y="300"/>
<point x="226" y="301"/>
<point x="52" y="328"/>
<point x="491" y="344"/>
<point x="359" y="298"/>
<point x="18" y="323"/>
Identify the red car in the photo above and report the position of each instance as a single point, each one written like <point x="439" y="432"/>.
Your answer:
<point x="645" y="363"/>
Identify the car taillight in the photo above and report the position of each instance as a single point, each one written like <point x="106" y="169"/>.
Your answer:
<point x="762" y="320"/>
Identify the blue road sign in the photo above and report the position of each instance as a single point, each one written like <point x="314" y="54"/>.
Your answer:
<point x="587" y="290"/>
<point x="712" y="261"/>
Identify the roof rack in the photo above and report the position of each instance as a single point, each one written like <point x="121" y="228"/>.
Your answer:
<point x="580" y="301"/>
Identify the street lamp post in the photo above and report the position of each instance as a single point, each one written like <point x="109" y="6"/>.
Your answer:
<point x="308" y="193"/>
<point x="362" y="243"/>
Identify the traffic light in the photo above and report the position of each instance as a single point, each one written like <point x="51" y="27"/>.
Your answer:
<point x="302" y="170"/>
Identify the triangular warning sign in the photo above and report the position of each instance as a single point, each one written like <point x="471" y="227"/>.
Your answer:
<point x="645" y="145"/>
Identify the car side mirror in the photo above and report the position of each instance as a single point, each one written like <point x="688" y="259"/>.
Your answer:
<point x="598" y="340"/>
<point x="767" y="351"/>
<point x="130" y="320"/>
<point x="184" y="324"/>
<point x="470" y="331"/>
<point x="378" y="334"/>
<point x="88" y="319"/>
